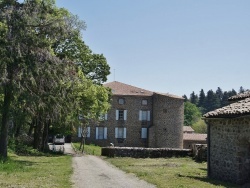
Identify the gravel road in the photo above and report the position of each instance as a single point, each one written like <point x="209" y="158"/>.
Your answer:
<point x="93" y="172"/>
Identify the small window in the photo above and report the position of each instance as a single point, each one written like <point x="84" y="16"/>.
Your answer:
<point x="144" y="115"/>
<point x="101" y="133"/>
<point x="144" y="132"/>
<point x="121" y="101"/>
<point x="120" y="132"/>
<point x="121" y="114"/>
<point x="144" y="102"/>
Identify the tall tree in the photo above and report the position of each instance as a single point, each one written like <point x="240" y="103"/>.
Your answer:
<point x="32" y="34"/>
<point x="194" y="98"/>
<point x="212" y="101"/>
<point x="202" y="100"/>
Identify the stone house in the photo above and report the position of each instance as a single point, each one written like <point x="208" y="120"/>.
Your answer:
<point x="140" y="118"/>
<point x="189" y="139"/>
<point x="229" y="141"/>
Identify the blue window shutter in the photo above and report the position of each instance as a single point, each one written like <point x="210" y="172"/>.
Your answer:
<point x="117" y="114"/>
<point x="124" y="132"/>
<point x="88" y="133"/>
<point x="96" y="133"/>
<point x="105" y="133"/>
<point x="140" y="115"/>
<point x="125" y="114"/>
<point x="148" y="116"/>
<point x="116" y="132"/>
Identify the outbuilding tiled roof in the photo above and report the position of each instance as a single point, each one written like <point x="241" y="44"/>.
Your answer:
<point x="119" y="88"/>
<point x="187" y="129"/>
<point x="240" y="96"/>
<point x="236" y="109"/>
<point x="194" y="137"/>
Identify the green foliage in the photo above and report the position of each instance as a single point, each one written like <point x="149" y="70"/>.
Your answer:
<point x="200" y="127"/>
<point x="47" y="72"/>
<point x="191" y="113"/>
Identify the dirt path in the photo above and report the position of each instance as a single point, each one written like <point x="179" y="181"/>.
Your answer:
<point x="93" y="172"/>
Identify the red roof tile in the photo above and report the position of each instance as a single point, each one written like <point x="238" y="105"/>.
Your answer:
<point x="239" y="108"/>
<point x="240" y="96"/>
<point x="119" y="88"/>
<point x="187" y="129"/>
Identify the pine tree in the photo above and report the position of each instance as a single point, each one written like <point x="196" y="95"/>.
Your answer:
<point x="194" y="98"/>
<point x="202" y="100"/>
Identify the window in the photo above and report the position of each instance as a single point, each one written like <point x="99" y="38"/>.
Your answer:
<point x="144" y="115"/>
<point x="121" y="114"/>
<point x="144" y="102"/>
<point x="101" y="133"/>
<point x="144" y="133"/>
<point x="85" y="131"/>
<point x="103" y="117"/>
<point x="121" y="101"/>
<point x="120" y="132"/>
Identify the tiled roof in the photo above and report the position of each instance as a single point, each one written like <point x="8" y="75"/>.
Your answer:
<point x="119" y="88"/>
<point x="240" y="96"/>
<point x="236" y="109"/>
<point x="187" y="129"/>
<point x="169" y="95"/>
<point x="194" y="136"/>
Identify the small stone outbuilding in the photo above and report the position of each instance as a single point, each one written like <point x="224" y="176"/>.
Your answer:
<point x="229" y="141"/>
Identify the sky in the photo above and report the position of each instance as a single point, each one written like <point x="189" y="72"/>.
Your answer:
<point x="170" y="46"/>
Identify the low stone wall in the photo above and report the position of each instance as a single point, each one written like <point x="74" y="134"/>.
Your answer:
<point x="145" y="152"/>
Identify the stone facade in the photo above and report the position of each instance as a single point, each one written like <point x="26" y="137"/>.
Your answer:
<point x="229" y="149"/>
<point x="167" y="128"/>
<point x="144" y="118"/>
<point x="229" y="141"/>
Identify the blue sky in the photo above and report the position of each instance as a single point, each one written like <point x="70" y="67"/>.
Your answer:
<point x="170" y="46"/>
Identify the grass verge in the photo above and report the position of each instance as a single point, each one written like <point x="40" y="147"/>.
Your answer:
<point x="36" y="171"/>
<point x="169" y="172"/>
<point x="89" y="149"/>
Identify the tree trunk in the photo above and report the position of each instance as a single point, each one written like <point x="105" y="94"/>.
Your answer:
<point x="38" y="133"/>
<point x="45" y="136"/>
<point x="5" y="118"/>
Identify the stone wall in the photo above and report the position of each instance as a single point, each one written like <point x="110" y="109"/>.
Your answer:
<point x="168" y="122"/>
<point x="144" y="152"/>
<point x="229" y="149"/>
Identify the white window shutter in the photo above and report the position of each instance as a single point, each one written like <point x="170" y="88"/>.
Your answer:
<point x="105" y="133"/>
<point x="140" y="115"/>
<point x="148" y="116"/>
<point x="116" y="114"/>
<point x="124" y="132"/>
<point x="96" y="133"/>
<point x="125" y="114"/>
<point x="116" y="132"/>
<point x="79" y="131"/>
<point x="144" y="132"/>
<point x="106" y="116"/>
<point x="88" y="134"/>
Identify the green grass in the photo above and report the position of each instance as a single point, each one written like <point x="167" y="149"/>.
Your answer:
<point x="89" y="149"/>
<point x="36" y="171"/>
<point x="169" y="172"/>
